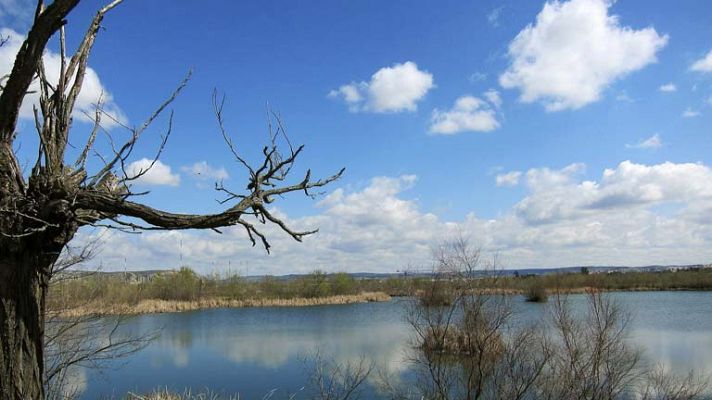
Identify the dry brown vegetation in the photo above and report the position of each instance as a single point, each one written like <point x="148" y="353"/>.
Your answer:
<point x="166" y="395"/>
<point x="473" y="346"/>
<point x="153" y="306"/>
<point x="184" y="290"/>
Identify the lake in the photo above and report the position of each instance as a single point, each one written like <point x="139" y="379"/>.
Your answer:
<point x="253" y="351"/>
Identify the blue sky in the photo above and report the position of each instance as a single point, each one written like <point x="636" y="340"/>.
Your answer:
<point x="550" y="133"/>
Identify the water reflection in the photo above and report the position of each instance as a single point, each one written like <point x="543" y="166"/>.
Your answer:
<point x="274" y="349"/>
<point x="252" y="351"/>
<point x="271" y="341"/>
<point x="176" y="347"/>
<point x="677" y="350"/>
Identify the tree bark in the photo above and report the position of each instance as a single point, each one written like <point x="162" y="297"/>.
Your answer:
<point x="23" y="286"/>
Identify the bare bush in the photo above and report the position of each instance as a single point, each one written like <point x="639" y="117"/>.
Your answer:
<point x="466" y="347"/>
<point x="473" y="347"/>
<point x="76" y="342"/>
<point x="662" y="385"/>
<point x="592" y="357"/>
<point x="536" y="293"/>
<point x="331" y="380"/>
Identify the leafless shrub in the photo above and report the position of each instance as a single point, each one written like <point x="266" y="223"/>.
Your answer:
<point x="331" y="380"/>
<point x="592" y="358"/>
<point x="87" y="341"/>
<point x="662" y="385"/>
<point x="472" y="347"/>
<point x="467" y="348"/>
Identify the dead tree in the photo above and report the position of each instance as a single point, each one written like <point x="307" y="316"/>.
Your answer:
<point x="41" y="211"/>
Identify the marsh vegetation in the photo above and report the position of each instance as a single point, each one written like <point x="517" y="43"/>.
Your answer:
<point x="185" y="290"/>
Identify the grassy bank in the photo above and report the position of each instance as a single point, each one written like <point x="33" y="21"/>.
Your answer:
<point x="184" y="290"/>
<point x="153" y="306"/>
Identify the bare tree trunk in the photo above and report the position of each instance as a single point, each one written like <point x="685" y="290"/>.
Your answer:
<point x="27" y="254"/>
<point x="23" y="285"/>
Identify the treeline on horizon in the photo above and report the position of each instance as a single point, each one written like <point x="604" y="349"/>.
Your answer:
<point x="187" y="285"/>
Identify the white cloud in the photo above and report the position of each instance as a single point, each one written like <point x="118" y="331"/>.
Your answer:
<point x="493" y="16"/>
<point x="573" y="52"/>
<point x="629" y="187"/>
<point x="493" y="97"/>
<point x="652" y="142"/>
<point x="390" y="90"/>
<point x="704" y="64"/>
<point x="690" y="113"/>
<point x="477" y="77"/>
<point x="668" y="88"/>
<point x="542" y="179"/>
<point x="202" y="171"/>
<point x="508" y="179"/>
<point x="633" y="214"/>
<point x="91" y="91"/>
<point x="469" y="114"/>
<point x="159" y="174"/>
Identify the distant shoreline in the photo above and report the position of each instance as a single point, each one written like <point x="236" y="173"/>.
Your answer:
<point x="184" y="290"/>
<point x="156" y="306"/>
<point x="587" y="289"/>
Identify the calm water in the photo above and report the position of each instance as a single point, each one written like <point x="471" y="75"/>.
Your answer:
<point x="254" y="351"/>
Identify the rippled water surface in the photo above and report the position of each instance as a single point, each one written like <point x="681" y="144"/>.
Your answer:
<point x="254" y="351"/>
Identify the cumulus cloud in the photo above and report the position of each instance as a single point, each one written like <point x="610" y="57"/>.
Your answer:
<point x="704" y="64"/>
<point x="542" y="179"/>
<point x="391" y="89"/>
<point x="573" y="51"/>
<point x="92" y="88"/>
<point x="508" y="179"/>
<point x="632" y="214"/>
<point x="468" y="114"/>
<point x="629" y="186"/>
<point x="203" y="171"/>
<point x="668" y="88"/>
<point x="156" y="175"/>
<point x="652" y="142"/>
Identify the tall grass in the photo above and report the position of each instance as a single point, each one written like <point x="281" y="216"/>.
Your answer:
<point x="185" y="290"/>
<point x="185" y="285"/>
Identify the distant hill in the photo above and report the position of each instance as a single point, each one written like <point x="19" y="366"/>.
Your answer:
<point x="592" y="269"/>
